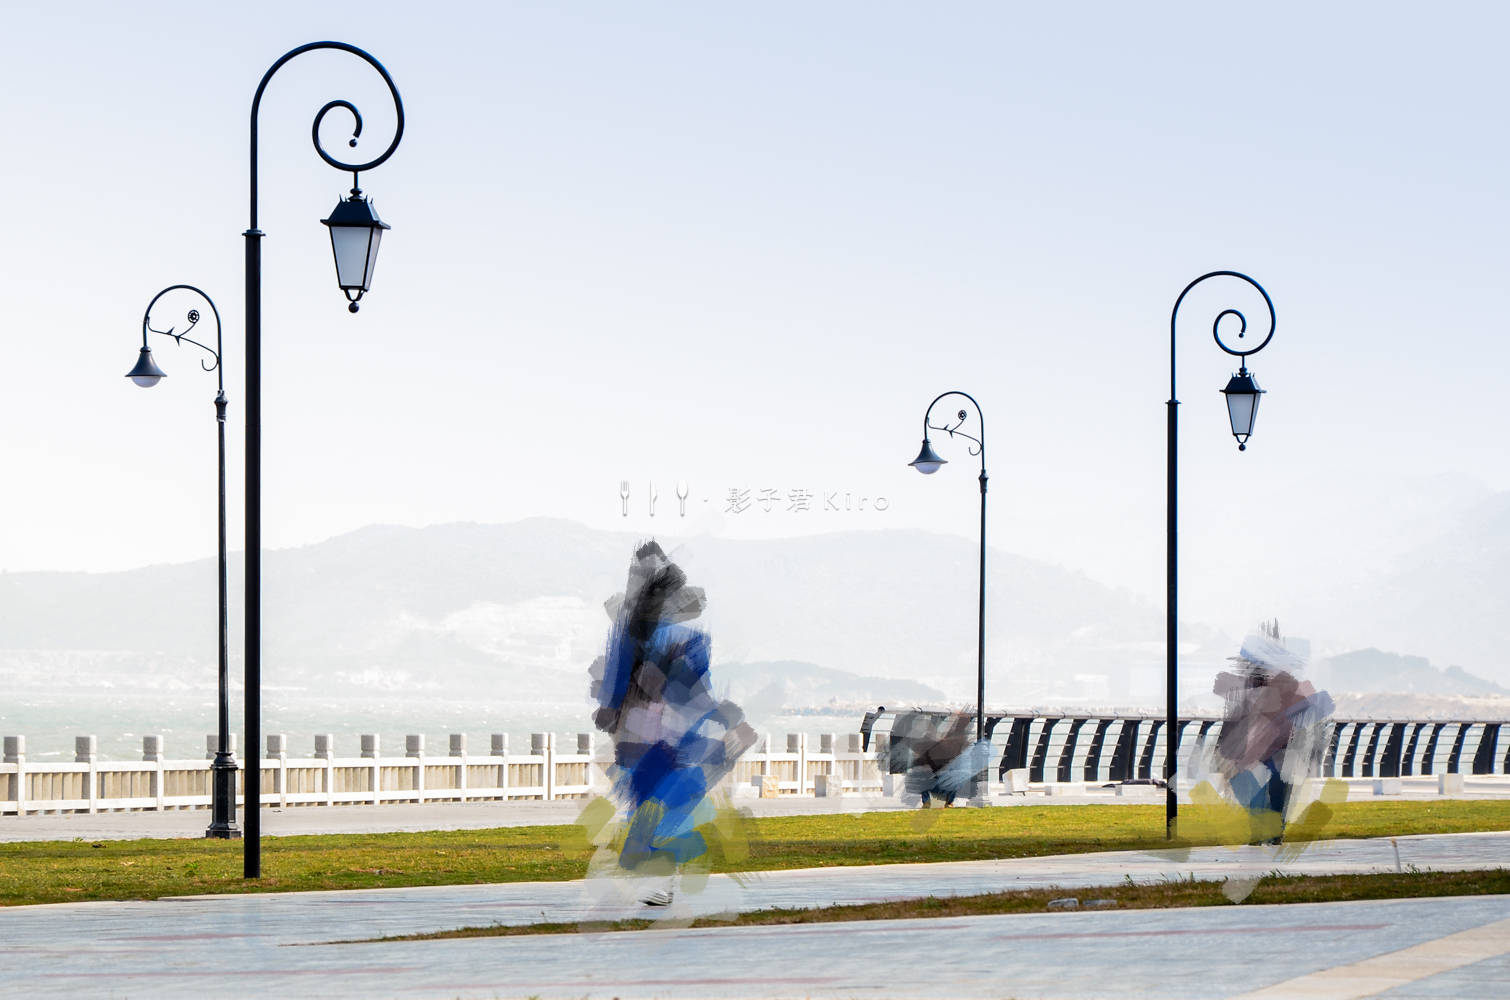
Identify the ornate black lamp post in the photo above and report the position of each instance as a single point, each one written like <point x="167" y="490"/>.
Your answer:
<point x="928" y="462"/>
<point x="1242" y="394"/>
<point x="355" y="234"/>
<point x="146" y="374"/>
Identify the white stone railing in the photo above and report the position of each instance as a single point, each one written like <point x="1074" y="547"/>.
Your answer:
<point x="800" y="769"/>
<point x="549" y="771"/>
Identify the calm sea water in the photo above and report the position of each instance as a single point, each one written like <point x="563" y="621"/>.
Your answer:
<point x="118" y="720"/>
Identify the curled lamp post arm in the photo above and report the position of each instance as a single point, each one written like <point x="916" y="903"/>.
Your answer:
<point x="356" y="132"/>
<point x="978" y="445"/>
<point x="193" y="318"/>
<point x="1216" y="324"/>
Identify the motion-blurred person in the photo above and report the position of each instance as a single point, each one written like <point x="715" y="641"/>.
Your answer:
<point x="934" y="750"/>
<point x="1273" y="731"/>
<point x="673" y="740"/>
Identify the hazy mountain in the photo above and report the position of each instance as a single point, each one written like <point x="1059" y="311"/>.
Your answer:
<point x="1371" y="671"/>
<point x="517" y="608"/>
<point x="513" y="614"/>
<point x="1446" y="597"/>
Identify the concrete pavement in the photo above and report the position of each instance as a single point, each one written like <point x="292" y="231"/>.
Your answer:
<point x="188" y="946"/>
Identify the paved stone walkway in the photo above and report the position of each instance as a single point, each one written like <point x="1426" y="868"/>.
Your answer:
<point x="246" y="945"/>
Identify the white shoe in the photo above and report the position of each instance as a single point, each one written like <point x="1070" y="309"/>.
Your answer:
<point x="660" y="897"/>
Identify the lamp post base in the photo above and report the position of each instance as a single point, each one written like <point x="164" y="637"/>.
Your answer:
<point x="223" y="798"/>
<point x="980" y="791"/>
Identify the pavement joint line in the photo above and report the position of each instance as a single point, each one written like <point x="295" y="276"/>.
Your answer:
<point x="1394" y="969"/>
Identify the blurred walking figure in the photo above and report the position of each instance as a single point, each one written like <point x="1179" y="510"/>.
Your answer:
<point x="934" y="750"/>
<point x="1273" y="731"/>
<point x="672" y="739"/>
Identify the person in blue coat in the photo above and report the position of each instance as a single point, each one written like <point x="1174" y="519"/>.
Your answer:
<point x="673" y="740"/>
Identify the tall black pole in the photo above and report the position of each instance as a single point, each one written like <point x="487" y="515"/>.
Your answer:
<point x="980" y="620"/>
<point x="252" y="781"/>
<point x="1171" y="555"/>
<point x="252" y="630"/>
<point x="1171" y="614"/>
<point x="223" y="768"/>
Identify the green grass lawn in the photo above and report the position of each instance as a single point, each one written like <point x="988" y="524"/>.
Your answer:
<point x="69" y="871"/>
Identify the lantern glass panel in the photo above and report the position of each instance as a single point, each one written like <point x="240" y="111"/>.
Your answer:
<point x="1242" y="409"/>
<point x="372" y="251"/>
<point x="355" y="249"/>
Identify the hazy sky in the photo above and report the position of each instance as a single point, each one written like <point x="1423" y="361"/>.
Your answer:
<point x="743" y="246"/>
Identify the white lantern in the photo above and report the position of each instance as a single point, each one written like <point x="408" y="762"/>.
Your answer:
<point x="355" y="233"/>
<point x="1242" y="394"/>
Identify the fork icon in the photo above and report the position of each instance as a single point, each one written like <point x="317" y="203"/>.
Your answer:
<point x="624" y="495"/>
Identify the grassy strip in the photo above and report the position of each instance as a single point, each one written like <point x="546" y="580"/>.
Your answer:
<point x="1271" y="889"/>
<point x="70" y="871"/>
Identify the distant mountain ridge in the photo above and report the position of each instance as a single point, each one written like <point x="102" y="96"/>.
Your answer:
<point x="1367" y="671"/>
<point x="1446" y="596"/>
<point x="516" y="611"/>
<point x="518" y="607"/>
